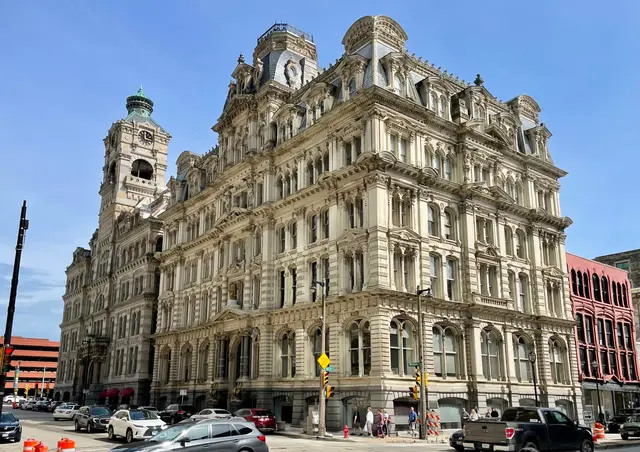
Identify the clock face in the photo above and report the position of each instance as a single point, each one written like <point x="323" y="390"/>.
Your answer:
<point x="146" y="137"/>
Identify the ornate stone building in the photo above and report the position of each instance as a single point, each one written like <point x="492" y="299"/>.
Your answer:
<point x="374" y="176"/>
<point x="110" y="303"/>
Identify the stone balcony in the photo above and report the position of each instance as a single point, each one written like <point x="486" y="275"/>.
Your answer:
<point x="94" y="347"/>
<point x="486" y="300"/>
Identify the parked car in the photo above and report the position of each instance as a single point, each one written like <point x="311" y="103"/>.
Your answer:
<point x="135" y="424"/>
<point x="543" y="429"/>
<point x="176" y="413"/>
<point x="10" y="428"/>
<point x="456" y="440"/>
<point x="631" y="427"/>
<point x="65" y="412"/>
<point x="148" y="408"/>
<point x="92" y="418"/>
<point x="41" y="405"/>
<point x="211" y="413"/>
<point x="264" y="420"/>
<point x="614" y="424"/>
<point x="29" y="404"/>
<point x="226" y="435"/>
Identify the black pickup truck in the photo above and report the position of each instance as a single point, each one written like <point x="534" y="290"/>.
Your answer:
<point x="543" y="429"/>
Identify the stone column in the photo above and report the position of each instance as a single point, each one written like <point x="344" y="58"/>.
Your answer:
<point x="244" y="359"/>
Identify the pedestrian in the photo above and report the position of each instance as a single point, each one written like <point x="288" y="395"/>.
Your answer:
<point x="474" y="415"/>
<point x="465" y="416"/>
<point x="488" y="414"/>
<point x="356" y="421"/>
<point x="369" y="424"/>
<point x="380" y="422"/>
<point x="385" y="418"/>
<point x="413" y="417"/>
<point x="494" y="413"/>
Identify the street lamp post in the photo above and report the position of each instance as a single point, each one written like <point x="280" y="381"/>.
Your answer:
<point x="423" y="387"/>
<point x="532" y="360"/>
<point x="596" y="373"/>
<point x="86" y="370"/>
<point x="321" y="400"/>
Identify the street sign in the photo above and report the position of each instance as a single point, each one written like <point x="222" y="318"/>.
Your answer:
<point x="414" y="364"/>
<point x="183" y="392"/>
<point x="324" y="360"/>
<point x="329" y="368"/>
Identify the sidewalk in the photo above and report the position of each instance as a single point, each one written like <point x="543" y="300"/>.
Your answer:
<point x="403" y="437"/>
<point x="613" y="441"/>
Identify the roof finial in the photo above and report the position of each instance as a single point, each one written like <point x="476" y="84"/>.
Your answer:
<point x="478" y="81"/>
<point x="241" y="59"/>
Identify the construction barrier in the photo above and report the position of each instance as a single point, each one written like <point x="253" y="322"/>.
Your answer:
<point x="66" y="445"/>
<point x="41" y="447"/>
<point x="598" y="432"/>
<point x="29" y="445"/>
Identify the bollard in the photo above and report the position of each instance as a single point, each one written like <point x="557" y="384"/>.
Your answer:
<point x="66" y="445"/>
<point x="41" y="447"/>
<point x="29" y="445"/>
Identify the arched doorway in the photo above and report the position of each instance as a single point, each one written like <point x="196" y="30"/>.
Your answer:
<point x="66" y="396"/>
<point x="401" y="408"/>
<point x="283" y="408"/>
<point x="56" y="397"/>
<point x="349" y="405"/>
<point x="450" y="410"/>
<point x="498" y="403"/>
<point x="200" y="401"/>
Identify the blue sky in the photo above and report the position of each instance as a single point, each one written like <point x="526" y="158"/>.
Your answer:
<point x="68" y="66"/>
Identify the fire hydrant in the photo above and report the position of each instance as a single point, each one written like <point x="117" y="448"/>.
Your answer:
<point x="346" y="431"/>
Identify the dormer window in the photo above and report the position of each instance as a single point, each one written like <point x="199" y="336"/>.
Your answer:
<point x="398" y="85"/>
<point x="352" y="87"/>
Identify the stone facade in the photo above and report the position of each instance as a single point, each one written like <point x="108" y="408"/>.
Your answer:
<point x="110" y="303"/>
<point x="372" y="177"/>
<point x="605" y="336"/>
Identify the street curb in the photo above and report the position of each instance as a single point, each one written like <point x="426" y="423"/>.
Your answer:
<point x="305" y="436"/>
<point x="614" y="445"/>
<point x="339" y="439"/>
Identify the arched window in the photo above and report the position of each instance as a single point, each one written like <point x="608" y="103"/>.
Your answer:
<point x="521" y="350"/>
<point x="624" y="295"/>
<point x="556" y="358"/>
<point x="490" y="350"/>
<point x="401" y="346"/>
<point x="165" y="366"/>
<point x="619" y="294"/>
<point x="605" y="289"/>
<point x="352" y="87"/>
<point x="587" y="291"/>
<point x="204" y="307"/>
<point x="316" y="347"/>
<point x="445" y="351"/>
<point x="203" y="362"/>
<point x="508" y="241"/>
<point x="596" y="287"/>
<point x="398" y="86"/>
<point x="450" y="226"/>
<point x="580" y="287"/>
<point x="614" y="293"/>
<point x="448" y="169"/>
<point x="521" y="244"/>
<point x="574" y="282"/>
<point x="257" y="242"/>
<point x="280" y="187"/>
<point x="185" y="365"/>
<point x="359" y="335"/>
<point x="142" y="169"/>
<point x="288" y="354"/>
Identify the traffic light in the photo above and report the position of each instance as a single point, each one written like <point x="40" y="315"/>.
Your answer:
<point x="329" y="392"/>
<point x="418" y="377"/>
<point x="325" y="378"/>
<point x="413" y="390"/>
<point x="7" y="353"/>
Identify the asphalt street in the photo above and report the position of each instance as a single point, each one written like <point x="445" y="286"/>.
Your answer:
<point x="41" y="426"/>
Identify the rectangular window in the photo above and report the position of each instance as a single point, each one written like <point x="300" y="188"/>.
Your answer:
<point x="325" y="224"/>
<point x="622" y="265"/>
<point x="347" y="153"/>
<point x="294" y="285"/>
<point x="623" y="365"/>
<point x="434" y="263"/>
<point x="632" y="368"/>
<point x="293" y="230"/>
<point x="281" y="240"/>
<point x="613" y="363"/>
<point x="609" y="328"/>
<point x="358" y="146"/>
<point x="326" y="279"/>
<point x="451" y="281"/>
<point x="588" y="325"/>
<point x="601" y="336"/>
<point x="604" y="362"/>
<point x="314" y="229"/>
<point x="404" y="147"/>
<point x="627" y="336"/>
<point x="620" y="335"/>
<point x="314" y="277"/>
<point x="393" y="144"/>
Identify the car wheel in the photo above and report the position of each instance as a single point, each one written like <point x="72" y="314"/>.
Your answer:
<point x="17" y="438"/>
<point x="110" y="434"/>
<point x="77" y="426"/>
<point x="624" y="436"/>
<point x="587" y="446"/>
<point x="530" y="445"/>
<point x="129" y="436"/>
<point x="89" y="429"/>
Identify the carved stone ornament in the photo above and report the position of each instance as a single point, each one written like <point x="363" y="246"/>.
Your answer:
<point x="291" y="73"/>
<point x="257" y="72"/>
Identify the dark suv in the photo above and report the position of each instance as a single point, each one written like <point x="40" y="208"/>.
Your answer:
<point x="94" y="418"/>
<point x="175" y="413"/>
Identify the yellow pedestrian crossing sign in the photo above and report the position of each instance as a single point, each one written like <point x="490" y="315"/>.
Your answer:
<point x="324" y="360"/>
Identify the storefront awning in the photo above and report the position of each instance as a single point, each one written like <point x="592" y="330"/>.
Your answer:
<point x="103" y="394"/>
<point x="127" y="392"/>
<point x="113" y="392"/>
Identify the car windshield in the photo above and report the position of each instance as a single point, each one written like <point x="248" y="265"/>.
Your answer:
<point x="263" y="413"/>
<point x="142" y="415"/>
<point x="169" y="434"/>
<point x="7" y="417"/>
<point x="100" y="411"/>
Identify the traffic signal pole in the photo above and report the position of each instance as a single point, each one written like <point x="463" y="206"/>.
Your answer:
<point x="422" y="414"/>
<point x="13" y="293"/>
<point x="322" y="427"/>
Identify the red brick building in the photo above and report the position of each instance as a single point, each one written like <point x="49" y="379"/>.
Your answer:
<point x="605" y="335"/>
<point x="35" y="359"/>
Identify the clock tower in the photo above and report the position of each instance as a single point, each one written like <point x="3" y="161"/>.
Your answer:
<point x="135" y="162"/>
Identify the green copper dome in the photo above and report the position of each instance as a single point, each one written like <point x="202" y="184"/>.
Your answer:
<point x="140" y="104"/>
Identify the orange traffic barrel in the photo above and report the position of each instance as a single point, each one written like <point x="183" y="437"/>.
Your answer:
<point x="29" y="445"/>
<point x="41" y="447"/>
<point x="66" y="445"/>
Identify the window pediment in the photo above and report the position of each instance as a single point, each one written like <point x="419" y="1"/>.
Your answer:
<point x="552" y="272"/>
<point x="350" y="237"/>
<point x="404" y="235"/>
<point x="229" y="314"/>
<point x="487" y="252"/>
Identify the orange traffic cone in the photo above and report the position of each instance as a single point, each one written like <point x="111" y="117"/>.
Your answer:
<point x="66" y="445"/>
<point x="29" y="445"/>
<point x="41" y="447"/>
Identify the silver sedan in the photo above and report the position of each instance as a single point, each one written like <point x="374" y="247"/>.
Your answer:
<point x="211" y="413"/>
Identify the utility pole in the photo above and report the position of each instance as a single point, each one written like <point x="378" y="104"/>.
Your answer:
<point x="13" y="293"/>
<point x="322" y="429"/>
<point x="424" y="394"/>
<point x="43" y="374"/>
